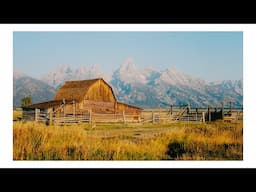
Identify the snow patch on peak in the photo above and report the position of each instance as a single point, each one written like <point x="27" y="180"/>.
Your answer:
<point x="128" y="66"/>
<point x="129" y="73"/>
<point x="172" y="69"/>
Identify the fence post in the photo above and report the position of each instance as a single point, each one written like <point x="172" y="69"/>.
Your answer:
<point x="196" y="113"/>
<point x="230" y="107"/>
<point x="37" y="114"/>
<point x="90" y="116"/>
<point x="209" y="114"/>
<point x="74" y="108"/>
<point x="139" y="120"/>
<point x="124" y="116"/>
<point x="188" y="108"/>
<point x="50" y="117"/>
<point x="222" y="109"/>
<point x="203" y="117"/>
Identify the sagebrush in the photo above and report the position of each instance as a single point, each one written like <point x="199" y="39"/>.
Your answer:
<point x="180" y="141"/>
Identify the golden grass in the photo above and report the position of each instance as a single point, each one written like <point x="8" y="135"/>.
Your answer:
<point x="179" y="141"/>
<point x="17" y="115"/>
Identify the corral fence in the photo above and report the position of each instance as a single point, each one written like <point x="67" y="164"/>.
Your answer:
<point x="87" y="117"/>
<point x="161" y="115"/>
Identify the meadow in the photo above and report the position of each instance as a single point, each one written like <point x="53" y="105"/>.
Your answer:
<point x="17" y="115"/>
<point x="173" y="141"/>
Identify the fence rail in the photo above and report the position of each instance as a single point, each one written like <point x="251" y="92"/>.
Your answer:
<point x="147" y="116"/>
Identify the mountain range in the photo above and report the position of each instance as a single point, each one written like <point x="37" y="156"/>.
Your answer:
<point x="147" y="87"/>
<point x="24" y="85"/>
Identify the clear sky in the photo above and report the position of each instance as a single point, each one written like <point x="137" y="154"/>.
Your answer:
<point x="207" y="55"/>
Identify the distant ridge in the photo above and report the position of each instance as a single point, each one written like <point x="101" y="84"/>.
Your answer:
<point x="147" y="87"/>
<point x="24" y="85"/>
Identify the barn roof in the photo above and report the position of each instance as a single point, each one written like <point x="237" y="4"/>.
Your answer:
<point x="47" y="104"/>
<point x="76" y="90"/>
<point x="129" y="105"/>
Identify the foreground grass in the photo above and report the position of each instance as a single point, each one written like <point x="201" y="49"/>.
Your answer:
<point x="216" y="141"/>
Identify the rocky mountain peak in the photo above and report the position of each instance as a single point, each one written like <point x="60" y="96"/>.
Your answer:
<point x="128" y="66"/>
<point x="148" y="87"/>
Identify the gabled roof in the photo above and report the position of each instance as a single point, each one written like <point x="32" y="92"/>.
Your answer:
<point x="76" y="90"/>
<point x="47" y="104"/>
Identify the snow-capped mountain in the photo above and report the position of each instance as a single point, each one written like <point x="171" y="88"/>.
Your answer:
<point x="64" y="73"/>
<point x="153" y="88"/>
<point x="173" y="77"/>
<point x="129" y="73"/>
<point x="130" y="84"/>
<point x="149" y="87"/>
<point x="228" y="89"/>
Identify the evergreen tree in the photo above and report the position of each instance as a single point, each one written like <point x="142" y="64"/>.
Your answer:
<point x="25" y="101"/>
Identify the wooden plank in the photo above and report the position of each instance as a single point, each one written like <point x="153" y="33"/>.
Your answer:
<point x="37" y="113"/>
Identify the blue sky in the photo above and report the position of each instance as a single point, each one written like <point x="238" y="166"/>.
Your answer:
<point x="207" y="55"/>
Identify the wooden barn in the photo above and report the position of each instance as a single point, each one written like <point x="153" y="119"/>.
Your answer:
<point x="76" y="98"/>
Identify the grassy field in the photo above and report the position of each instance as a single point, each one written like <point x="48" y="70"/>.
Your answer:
<point x="179" y="141"/>
<point x="17" y="115"/>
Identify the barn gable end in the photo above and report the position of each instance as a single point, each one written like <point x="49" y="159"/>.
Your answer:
<point x="100" y="91"/>
<point x="94" y="89"/>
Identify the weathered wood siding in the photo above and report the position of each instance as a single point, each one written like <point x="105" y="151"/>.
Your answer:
<point x="128" y="109"/>
<point x="100" y="91"/>
<point x="99" y="106"/>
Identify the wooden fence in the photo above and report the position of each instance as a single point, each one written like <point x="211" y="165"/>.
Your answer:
<point x="147" y="116"/>
<point x="89" y="117"/>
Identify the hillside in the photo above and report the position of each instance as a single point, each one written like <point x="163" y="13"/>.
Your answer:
<point x="24" y="85"/>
